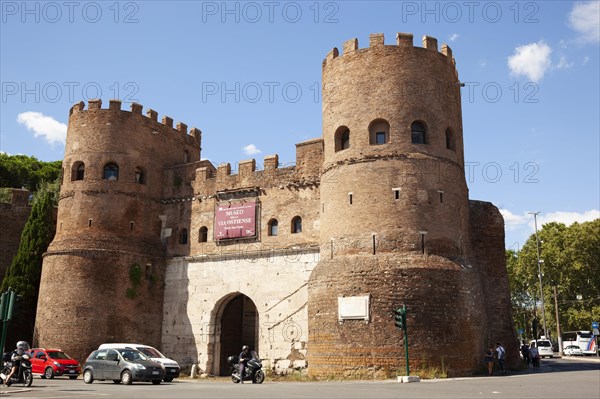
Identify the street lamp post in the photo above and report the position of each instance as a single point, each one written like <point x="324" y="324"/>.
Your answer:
<point x="537" y="245"/>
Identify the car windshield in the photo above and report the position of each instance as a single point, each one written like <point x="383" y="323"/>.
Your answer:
<point x="132" y="354"/>
<point x="58" y="355"/>
<point x="544" y="343"/>
<point x="150" y="352"/>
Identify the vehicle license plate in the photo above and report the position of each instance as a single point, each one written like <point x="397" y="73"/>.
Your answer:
<point x="173" y="370"/>
<point x="72" y="371"/>
<point x="155" y="372"/>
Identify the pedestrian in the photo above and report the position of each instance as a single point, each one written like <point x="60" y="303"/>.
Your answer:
<point x="501" y="355"/>
<point x="525" y="353"/>
<point x="535" y="356"/>
<point x="488" y="357"/>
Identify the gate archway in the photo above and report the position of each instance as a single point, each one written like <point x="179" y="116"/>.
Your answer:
<point x="238" y="326"/>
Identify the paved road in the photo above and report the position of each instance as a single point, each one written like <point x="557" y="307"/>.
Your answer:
<point x="557" y="378"/>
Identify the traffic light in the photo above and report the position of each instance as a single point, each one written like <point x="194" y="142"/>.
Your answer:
<point x="400" y="318"/>
<point x="14" y="304"/>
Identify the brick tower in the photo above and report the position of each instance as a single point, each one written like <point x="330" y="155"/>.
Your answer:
<point x="103" y="275"/>
<point x="395" y="221"/>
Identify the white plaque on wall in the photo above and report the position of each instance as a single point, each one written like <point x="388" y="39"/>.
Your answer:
<point x="353" y="307"/>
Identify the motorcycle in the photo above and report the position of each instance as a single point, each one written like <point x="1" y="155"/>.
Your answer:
<point x="23" y="374"/>
<point x="252" y="372"/>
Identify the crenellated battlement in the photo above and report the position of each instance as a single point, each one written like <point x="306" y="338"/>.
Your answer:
<point x="136" y="109"/>
<point x="244" y="171"/>
<point x="377" y="41"/>
<point x="306" y="170"/>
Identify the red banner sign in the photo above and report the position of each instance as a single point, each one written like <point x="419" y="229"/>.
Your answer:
<point x="235" y="220"/>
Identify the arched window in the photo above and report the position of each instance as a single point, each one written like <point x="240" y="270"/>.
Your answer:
<point x="296" y="225"/>
<point x="186" y="156"/>
<point x="418" y="133"/>
<point x="111" y="171"/>
<point x="450" y="141"/>
<point x="379" y="132"/>
<point x="203" y="234"/>
<point x="140" y="176"/>
<point x="342" y="138"/>
<point x="183" y="236"/>
<point x="78" y="171"/>
<point x="272" y="227"/>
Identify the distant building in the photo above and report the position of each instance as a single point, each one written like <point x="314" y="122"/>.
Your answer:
<point x="305" y="263"/>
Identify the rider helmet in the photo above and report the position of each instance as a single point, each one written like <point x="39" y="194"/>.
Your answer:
<point x="245" y="348"/>
<point x="22" y="346"/>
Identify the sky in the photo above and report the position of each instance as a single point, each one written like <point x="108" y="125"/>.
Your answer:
<point x="248" y="74"/>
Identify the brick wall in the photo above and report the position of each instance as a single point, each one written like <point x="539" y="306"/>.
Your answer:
<point x="444" y="316"/>
<point x="13" y="217"/>
<point x="92" y="305"/>
<point x="487" y="240"/>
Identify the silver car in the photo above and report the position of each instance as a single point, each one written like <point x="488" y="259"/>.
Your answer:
<point x="121" y="365"/>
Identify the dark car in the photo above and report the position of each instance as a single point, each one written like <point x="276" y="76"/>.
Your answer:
<point x="53" y="362"/>
<point x="121" y="365"/>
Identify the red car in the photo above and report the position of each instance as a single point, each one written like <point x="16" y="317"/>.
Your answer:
<point x="53" y="362"/>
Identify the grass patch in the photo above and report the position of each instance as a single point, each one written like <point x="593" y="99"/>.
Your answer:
<point x="429" y="372"/>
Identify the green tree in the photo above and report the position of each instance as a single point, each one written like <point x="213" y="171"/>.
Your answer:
<point x="18" y="171"/>
<point x="570" y="257"/>
<point x="23" y="275"/>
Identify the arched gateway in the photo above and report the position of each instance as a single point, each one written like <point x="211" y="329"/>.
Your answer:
<point x="237" y="325"/>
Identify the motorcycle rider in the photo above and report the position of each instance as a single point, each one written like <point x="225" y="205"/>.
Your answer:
<point x="15" y="359"/>
<point x="244" y="357"/>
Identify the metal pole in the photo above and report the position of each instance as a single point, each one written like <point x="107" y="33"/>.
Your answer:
<point x="8" y="303"/>
<point x="406" y="343"/>
<point x="537" y="245"/>
<point x="558" y="333"/>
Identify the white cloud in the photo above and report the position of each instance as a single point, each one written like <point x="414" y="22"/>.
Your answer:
<point x="453" y="37"/>
<point x="585" y="19"/>
<point x="530" y="60"/>
<point x="251" y="149"/>
<point x="564" y="64"/>
<point x="513" y="221"/>
<point x="568" y="218"/>
<point x="49" y="128"/>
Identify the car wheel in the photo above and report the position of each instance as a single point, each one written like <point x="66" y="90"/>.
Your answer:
<point x="49" y="373"/>
<point x="88" y="377"/>
<point x="126" y="378"/>
<point x="117" y="381"/>
<point x="156" y="382"/>
<point x="168" y="380"/>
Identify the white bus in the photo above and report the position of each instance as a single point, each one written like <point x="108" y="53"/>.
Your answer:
<point x="583" y="339"/>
